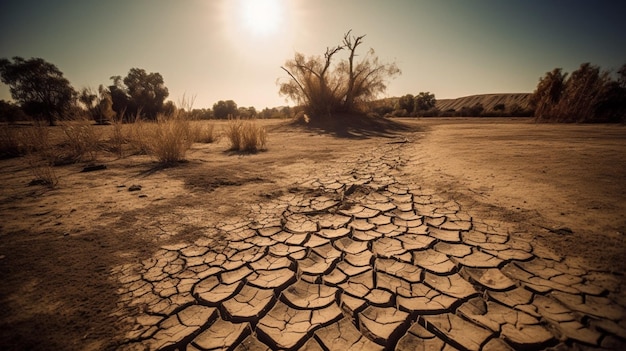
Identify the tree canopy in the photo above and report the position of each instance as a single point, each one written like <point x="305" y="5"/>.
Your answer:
<point x="324" y="87"/>
<point x="38" y="86"/>
<point x="222" y="109"/>
<point x="139" y="93"/>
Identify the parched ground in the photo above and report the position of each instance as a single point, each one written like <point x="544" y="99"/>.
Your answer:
<point x="488" y="234"/>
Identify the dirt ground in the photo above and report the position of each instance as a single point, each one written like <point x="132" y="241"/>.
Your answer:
<point x="559" y="185"/>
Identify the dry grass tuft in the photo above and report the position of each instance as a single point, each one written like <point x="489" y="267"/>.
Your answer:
<point x="204" y="133"/>
<point x="82" y="139"/>
<point x="170" y="139"/>
<point x="42" y="171"/>
<point x="246" y="135"/>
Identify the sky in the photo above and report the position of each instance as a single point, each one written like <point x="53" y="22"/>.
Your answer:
<point x="210" y="50"/>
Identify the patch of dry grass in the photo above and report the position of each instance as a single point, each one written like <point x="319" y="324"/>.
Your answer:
<point x="170" y="138"/>
<point x="82" y="140"/>
<point x="43" y="171"/>
<point x="204" y="133"/>
<point x="117" y="139"/>
<point x="19" y="141"/>
<point x="139" y="135"/>
<point x="245" y="135"/>
<point x="11" y="142"/>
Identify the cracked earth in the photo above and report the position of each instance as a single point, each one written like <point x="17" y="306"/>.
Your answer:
<point x="359" y="256"/>
<point x="475" y="234"/>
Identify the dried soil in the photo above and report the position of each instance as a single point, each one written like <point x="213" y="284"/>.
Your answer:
<point x="559" y="185"/>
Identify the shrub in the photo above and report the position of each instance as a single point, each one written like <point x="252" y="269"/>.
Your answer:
<point x="325" y="87"/>
<point x="170" y="139"/>
<point x="245" y="136"/>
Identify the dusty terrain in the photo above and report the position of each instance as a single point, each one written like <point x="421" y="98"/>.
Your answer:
<point x="73" y="258"/>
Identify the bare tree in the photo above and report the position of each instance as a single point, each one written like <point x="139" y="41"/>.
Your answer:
<point x="323" y="88"/>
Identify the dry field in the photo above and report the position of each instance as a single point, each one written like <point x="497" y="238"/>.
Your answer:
<point x="91" y="265"/>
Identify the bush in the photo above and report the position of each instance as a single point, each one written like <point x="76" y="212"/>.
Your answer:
<point x="245" y="136"/>
<point x="587" y="95"/>
<point x="170" y="139"/>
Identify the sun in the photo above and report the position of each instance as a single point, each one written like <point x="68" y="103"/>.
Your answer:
<point x="261" y="17"/>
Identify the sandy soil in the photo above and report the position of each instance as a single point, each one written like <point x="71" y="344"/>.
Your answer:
<point x="559" y="185"/>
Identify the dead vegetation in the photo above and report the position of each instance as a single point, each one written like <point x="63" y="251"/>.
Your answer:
<point x="166" y="140"/>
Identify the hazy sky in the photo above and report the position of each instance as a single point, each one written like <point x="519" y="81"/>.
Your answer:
<point x="233" y="49"/>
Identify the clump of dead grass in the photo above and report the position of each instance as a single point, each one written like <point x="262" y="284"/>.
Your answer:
<point x="42" y="169"/>
<point x="82" y="140"/>
<point x="245" y="135"/>
<point x="204" y="133"/>
<point x="170" y="138"/>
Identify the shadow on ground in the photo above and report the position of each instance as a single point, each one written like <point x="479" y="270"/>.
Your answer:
<point x="353" y="126"/>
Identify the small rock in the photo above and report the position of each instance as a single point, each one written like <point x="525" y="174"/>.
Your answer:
<point x="134" y="187"/>
<point x="143" y="195"/>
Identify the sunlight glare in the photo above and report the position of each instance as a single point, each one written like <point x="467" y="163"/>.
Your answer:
<point x="261" y="17"/>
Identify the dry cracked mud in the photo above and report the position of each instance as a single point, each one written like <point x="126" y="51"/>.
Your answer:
<point x="363" y="258"/>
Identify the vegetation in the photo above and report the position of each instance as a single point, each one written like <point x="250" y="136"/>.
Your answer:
<point x="587" y="95"/>
<point x="421" y="105"/>
<point x="39" y="87"/>
<point x="170" y="138"/>
<point x="324" y="88"/>
<point x="11" y="113"/>
<point x="223" y="109"/>
<point x="139" y="93"/>
<point x="245" y="135"/>
<point x="99" y="105"/>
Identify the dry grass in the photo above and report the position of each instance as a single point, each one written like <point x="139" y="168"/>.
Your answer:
<point x="117" y="139"/>
<point x="170" y="138"/>
<point x="43" y="171"/>
<point x="11" y="144"/>
<point x="246" y="135"/>
<point x="138" y="136"/>
<point x="204" y="133"/>
<point x="19" y="141"/>
<point x="82" y="140"/>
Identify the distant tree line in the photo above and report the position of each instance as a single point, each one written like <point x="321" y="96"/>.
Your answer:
<point x="41" y="92"/>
